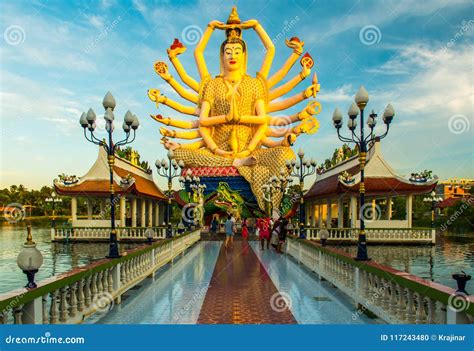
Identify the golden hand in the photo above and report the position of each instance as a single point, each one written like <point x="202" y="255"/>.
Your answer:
<point x="170" y="145"/>
<point x="161" y="68"/>
<point x="249" y="24"/>
<point x="167" y="133"/>
<point x="217" y="25"/>
<point x="289" y="139"/>
<point x="295" y="44"/>
<point x="312" y="90"/>
<point x="161" y="119"/>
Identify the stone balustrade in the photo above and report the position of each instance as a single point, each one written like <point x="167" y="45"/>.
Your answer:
<point x="72" y="297"/>
<point x="103" y="233"/>
<point x="378" y="235"/>
<point x="393" y="296"/>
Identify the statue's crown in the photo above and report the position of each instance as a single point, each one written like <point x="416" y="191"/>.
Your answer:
<point x="233" y="19"/>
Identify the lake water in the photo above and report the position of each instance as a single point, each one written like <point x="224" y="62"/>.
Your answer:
<point x="435" y="263"/>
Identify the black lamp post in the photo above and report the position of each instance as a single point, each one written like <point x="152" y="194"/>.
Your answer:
<point x="53" y="199"/>
<point x="301" y="169"/>
<point x="192" y="184"/>
<point x="170" y="170"/>
<point x="361" y="99"/>
<point x="274" y="185"/>
<point x="130" y="123"/>
<point x="433" y="200"/>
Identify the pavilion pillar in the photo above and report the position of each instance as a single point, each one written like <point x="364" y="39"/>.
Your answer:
<point x="340" y="213"/>
<point x="89" y="209"/>
<point x="157" y="214"/>
<point x="122" y="211"/>
<point x="389" y="208"/>
<point x="320" y="216"/>
<point x="329" y="213"/>
<point x="374" y="212"/>
<point x="143" y="213"/>
<point x="353" y="212"/>
<point x="134" y="212"/>
<point x="102" y="208"/>
<point x="409" y="206"/>
<point x="150" y="213"/>
<point x="74" y="209"/>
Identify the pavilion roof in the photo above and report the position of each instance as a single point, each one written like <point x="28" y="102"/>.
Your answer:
<point x="380" y="179"/>
<point x="127" y="177"/>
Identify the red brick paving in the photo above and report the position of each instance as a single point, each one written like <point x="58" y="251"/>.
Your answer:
<point x="241" y="290"/>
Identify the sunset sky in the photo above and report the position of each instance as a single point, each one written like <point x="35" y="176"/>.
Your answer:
<point x="60" y="58"/>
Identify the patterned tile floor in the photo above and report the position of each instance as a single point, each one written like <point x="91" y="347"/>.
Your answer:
<point x="241" y="291"/>
<point x="243" y="285"/>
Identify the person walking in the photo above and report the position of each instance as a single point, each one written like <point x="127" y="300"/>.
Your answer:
<point x="214" y="225"/>
<point x="274" y="240"/>
<point x="282" y="234"/>
<point x="264" y="232"/>
<point x="229" y="232"/>
<point x="245" y="230"/>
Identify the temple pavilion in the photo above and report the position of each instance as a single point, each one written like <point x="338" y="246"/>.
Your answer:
<point x="138" y="199"/>
<point x="333" y="199"/>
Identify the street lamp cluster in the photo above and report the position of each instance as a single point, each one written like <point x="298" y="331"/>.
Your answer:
<point x="361" y="100"/>
<point x="130" y="124"/>
<point x="195" y="191"/>
<point x="53" y="199"/>
<point x="273" y="186"/>
<point x="169" y="169"/>
<point x="433" y="200"/>
<point x="301" y="169"/>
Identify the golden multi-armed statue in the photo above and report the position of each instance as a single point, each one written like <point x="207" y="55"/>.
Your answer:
<point x="234" y="127"/>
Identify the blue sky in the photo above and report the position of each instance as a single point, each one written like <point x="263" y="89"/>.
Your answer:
<point x="60" y="58"/>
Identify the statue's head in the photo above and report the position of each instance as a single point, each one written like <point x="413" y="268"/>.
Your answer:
<point x="233" y="55"/>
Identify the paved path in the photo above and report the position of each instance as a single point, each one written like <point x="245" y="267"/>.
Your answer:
<point x="241" y="292"/>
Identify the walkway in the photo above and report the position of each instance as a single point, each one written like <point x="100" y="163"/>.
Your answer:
<point x="240" y="285"/>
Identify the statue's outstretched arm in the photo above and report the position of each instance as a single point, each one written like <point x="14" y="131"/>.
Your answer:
<point x="288" y="140"/>
<point x="172" y="145"/>
<point x="312" y="108"/>
<point x="188" y="135"/>
<point x="161" y="69"/>
<point x="199" y="51"/>
<point x="154" y="95"/>
<point x="311" y="91"/>
<point x="285" y="88"/>
<point x="267" y="42"/>
<point x="175" y="122"/>
<point x="297" y="47"/>
<point x="176" y="49"/>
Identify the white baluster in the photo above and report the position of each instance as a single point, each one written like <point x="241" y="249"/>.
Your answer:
<point x="420" y="309"/>
<point x="53" y="308"/>
<point x="411" y="312"/>
<point x="72" y="300"/>
<point x="44" y="301"/>
<point x="63" y="308"/>
<point x="17" y="315"/>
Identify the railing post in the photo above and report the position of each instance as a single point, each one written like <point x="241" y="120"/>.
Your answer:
<point x="455" y="317"/>
<point x="33" y="311"/>
<point x="116" y="281"/>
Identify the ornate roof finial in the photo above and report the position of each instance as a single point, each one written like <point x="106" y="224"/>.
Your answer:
<point x="234" y="16"/>
<point x="233" y="19"/>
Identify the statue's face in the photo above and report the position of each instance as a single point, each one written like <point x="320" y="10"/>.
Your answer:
<point x="233" y="57"/>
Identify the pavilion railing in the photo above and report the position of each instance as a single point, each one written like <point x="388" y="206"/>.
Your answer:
<point x="394" y="296"/>
<point x="103" y="233"/>
<point x="72" y="297"/>
<point x="379" y="235"/>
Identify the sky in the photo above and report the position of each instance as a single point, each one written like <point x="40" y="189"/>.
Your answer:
<point x="59" y="58"/>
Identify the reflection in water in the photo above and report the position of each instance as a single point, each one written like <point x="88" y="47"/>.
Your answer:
<point x="435" y="263"/>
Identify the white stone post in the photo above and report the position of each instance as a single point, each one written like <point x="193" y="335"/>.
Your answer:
<point x="116" y="281"/>
<point x="389" y="208"/>
<point x="73" y="209"/>
<point x="33" y="312"/>
<point x="150" y="213"/>
<point x="89" y="209"/>
<point x="122" y="211"/>
<point x="409" y="207"/>
<point x="157" y="214"/>
<point x="329" y="213"/>
<point x="353" y="212"/>
<point x="134" y="212"/>
<point x="143" y="213"/>
<point x="340" y="213"/>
